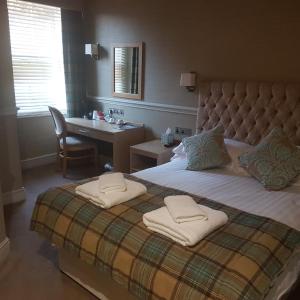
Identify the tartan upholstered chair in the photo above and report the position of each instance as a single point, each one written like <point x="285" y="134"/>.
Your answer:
<point x="70" y="147"/>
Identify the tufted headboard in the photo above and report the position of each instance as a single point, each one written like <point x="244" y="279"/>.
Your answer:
<point x="249" y="110"/>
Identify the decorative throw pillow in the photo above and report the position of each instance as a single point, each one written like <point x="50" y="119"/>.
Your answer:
<point x="275" y="161"/>
<point x="206" y="150"/>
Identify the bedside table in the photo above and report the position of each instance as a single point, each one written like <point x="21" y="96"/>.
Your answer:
<point x="149" y="154"/>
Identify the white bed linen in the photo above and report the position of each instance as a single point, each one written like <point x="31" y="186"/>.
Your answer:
<point x="241" y="192"/>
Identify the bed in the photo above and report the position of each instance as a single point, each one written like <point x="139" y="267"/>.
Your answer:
<point x="255" y="256"/>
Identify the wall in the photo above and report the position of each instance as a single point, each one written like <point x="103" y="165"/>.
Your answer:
<point x="2" y="225"/>
<point x="68" y="4"/>
<point x="36" y="136"/>
<point x="10" y="169"/>
<point x="252" y="40"/>
<point x="218" y="39"/>
<point x="4" y="241"/>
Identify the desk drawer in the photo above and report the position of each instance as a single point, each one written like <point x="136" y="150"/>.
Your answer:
<point x="79" y="130"/>
<point x="95" y="134"/>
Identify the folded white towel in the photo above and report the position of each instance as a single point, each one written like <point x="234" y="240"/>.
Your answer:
<point x="90" y="191"/>
<point x="112" y="182"/>
<point x="187" y="233"/>
<point x="183" y="208"/>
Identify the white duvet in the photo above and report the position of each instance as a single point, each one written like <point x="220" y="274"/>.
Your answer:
<point x="242" y="192"/>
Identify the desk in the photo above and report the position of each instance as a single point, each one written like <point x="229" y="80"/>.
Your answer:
<point x="121" y="138"/>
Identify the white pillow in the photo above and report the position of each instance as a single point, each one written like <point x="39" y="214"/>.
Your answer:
<point x="179" y="152"/>
<point x="235" y="149"/>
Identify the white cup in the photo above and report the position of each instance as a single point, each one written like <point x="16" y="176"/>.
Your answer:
<point x="95" y="115"/>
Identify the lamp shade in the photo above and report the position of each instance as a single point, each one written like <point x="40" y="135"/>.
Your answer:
<point x="188" y="79"/>
<point x="92" y="49"/>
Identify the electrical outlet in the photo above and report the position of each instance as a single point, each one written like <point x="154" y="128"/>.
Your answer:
<point x="117" y="111"/>
<point x="181" y="132"/>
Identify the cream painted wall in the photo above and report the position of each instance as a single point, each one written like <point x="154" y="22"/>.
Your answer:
<point x="2" y="225"/>
<point x="68" y="4"/>
<point x="155" y="121"/>
<point x="251" y="40"/>
<point x="4" y="241"/>
<point x="36" y="136"/>
<point x="10" y="168"/>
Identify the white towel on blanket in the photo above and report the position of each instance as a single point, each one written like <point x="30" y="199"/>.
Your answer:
<point x="187" y="233"/>
<point x="183" y="208"/>
<point x="91" y="191"/>
<point x="112" y="182"/>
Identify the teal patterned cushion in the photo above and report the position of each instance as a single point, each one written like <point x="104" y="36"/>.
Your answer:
<point x="206" y="150"/>
<point x="275" y="161"/>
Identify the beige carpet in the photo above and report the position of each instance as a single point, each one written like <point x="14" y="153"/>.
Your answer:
<point x="31" y="271"/>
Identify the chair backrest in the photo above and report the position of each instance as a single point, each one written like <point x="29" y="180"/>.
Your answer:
<point x="59" y="122"/>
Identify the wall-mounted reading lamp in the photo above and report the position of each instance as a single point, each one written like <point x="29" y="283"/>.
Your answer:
<point x="188" y="80"/>
<point x="93" y="50"/>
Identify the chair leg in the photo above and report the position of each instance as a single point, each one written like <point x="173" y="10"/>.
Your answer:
<point x="58" y="158"/>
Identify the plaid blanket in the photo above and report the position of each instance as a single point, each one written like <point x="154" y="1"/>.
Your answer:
<point x="237" y="261"/>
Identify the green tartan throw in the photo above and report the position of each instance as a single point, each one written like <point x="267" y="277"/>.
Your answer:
<point x="240" y="260"/>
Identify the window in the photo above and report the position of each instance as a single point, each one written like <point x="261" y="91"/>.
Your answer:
<point x="37" y="56"/>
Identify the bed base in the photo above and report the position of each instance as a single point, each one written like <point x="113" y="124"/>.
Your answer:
<point x="103" y="287"/>
<point x="96" y="282"/>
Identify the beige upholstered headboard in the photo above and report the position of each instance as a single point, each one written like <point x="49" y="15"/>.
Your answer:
<point x="249" y="110"/>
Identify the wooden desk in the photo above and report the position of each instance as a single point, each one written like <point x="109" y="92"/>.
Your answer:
<point x="121" y="138"/>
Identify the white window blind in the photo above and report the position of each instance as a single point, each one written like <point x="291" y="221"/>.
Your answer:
<point x="121" y="70"/>
<point x="37" y="56"/>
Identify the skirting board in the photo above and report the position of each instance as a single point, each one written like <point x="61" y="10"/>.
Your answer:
<point x="90" y="289"/>
<point x="47" y="159"/>
<point x="4" y="250"/>
<point x="38" y="161"/>
<point x="15" y="196"/>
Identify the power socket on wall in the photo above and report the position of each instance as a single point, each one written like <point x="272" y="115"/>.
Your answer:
<point x="181" y="132"/>
<point x="116" y="111"/>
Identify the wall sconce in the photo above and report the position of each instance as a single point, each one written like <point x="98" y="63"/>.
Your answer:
<point x="188" y="80"/>
<point x="93" y="50"/>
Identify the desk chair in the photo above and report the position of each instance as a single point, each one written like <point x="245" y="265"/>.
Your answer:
<point x="70" y="147"/>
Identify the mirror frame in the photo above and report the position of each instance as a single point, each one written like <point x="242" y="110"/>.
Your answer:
<point x="139" y="95"/>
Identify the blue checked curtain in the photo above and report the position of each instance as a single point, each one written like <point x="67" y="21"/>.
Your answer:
<point x="73" y="51"/>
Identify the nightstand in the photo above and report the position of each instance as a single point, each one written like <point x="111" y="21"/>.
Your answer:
<point x="148" y="154"/>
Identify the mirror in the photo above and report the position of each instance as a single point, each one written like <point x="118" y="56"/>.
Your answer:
<point x="128" y="70"/>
